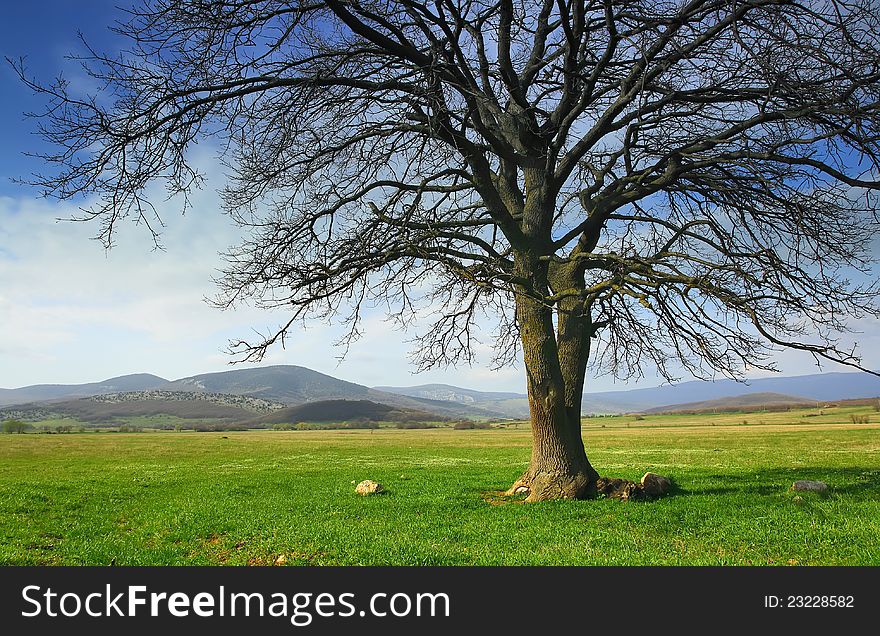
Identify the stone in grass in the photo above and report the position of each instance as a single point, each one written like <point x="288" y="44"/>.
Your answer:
<point x="369" y="487"/>
<point x="651" y="487"/>
<point x="808" y="485"/>
<point x="655" y="485"/>
<point x="615" y="488"/>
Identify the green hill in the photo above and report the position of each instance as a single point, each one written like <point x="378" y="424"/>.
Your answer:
<point x="345" y="410"/>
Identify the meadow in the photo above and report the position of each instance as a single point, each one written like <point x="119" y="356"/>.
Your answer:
<point x="278" y="497"/>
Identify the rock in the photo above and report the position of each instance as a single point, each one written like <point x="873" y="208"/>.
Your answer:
<point x="651" y="487"/>
<point x="655" y="485"/>
<point x="808" y="485"/>
<point x="369" y="487"/>
<point x="631" y="490"/>
<point x="614" y="488"/>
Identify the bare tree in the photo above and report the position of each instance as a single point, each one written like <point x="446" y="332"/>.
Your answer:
<point x="685" y="184"/>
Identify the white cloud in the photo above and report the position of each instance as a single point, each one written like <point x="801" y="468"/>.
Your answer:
<point x="72" y="312"/>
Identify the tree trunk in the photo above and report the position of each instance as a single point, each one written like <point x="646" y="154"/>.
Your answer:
<point x="573" y="334"/>
<point x="559" y="468"/>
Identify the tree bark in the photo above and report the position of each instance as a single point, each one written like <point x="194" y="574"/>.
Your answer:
<point x="573" y="334"/>
<point x="559" y="468"/>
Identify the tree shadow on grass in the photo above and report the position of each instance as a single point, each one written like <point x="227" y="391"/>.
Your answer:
<point x="860" y="481"/>
<point x="854" y="480"/>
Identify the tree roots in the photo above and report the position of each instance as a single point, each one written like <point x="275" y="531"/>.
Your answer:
<point x="545" y="486"/>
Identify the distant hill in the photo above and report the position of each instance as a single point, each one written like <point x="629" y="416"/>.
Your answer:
<point x="449" y="393"/>
<point x="289" y="384"/>
<point x="285" y="383"/>
<point x="819" y="386"/>
<point x="211" y="408"/>
<point x="344" y="410"/>
<point x="495" y="403"/>
<point x="107" y="408"/>
<point x="294" y="385"/>
<point x="45" y="392"/>
<point x="749" y="401"/>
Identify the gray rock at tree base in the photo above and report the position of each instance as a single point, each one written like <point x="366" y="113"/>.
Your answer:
<point x="808" y="485"/>
<point x="369" y="487"/>
<point x="655" y="485"/>
<point x="651" y="487"/>
<point x="615" y="488"/>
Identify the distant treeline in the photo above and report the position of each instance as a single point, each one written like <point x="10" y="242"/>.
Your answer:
<point x="773" y="408"/>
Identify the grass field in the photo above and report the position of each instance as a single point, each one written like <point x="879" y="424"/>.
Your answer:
<point x="252" y="497"/>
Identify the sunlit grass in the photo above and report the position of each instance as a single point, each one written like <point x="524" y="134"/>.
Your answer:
<point x="249" y="497"/>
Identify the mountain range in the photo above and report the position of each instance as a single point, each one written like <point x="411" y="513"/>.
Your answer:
<point x="500" y="404"/>
<point x="803" y="388"/>
<point x="288" y="384"/>
<point x="763" y="401"/>
<point x="294" y="385"/>
<point x="815" y="387"/>
<point x="46" y="392"/>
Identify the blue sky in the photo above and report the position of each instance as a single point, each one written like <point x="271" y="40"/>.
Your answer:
<point x="70" y="312"/>
<point x="44" y="33"/>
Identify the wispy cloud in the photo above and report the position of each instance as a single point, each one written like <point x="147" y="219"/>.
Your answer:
<point x="73" y="312"/>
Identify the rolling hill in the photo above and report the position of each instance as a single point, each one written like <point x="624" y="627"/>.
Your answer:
<point x="287" y="384"/>
<point x="46" y="392"/>
<point x="746" y="402"/>
<point x="495" y="403"/>
<point x="818" y="386"/>
<point x="343" y="410"/>
<point x="450" y="393"/>
<point x="294" y="385"/>
<point x="116" y="407"/>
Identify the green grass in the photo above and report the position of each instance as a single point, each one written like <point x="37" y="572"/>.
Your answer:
<point x="200" y="498"/>
<point x="136" y="421"/>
